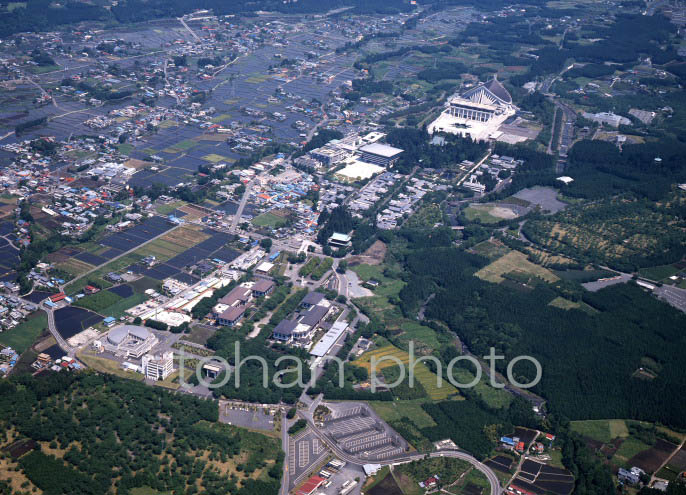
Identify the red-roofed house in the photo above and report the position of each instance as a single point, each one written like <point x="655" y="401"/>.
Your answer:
<point x="311" y="485"/>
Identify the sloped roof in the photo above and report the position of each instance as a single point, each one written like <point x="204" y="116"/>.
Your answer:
<point x="499" y="90"/>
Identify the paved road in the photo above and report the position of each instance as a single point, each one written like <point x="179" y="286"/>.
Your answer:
<point x="241" y="206"/>
<point x="55" y="333"/>
<point x="490" y="475"/>
<point x="285" y="424"/>
<point x="673" y="296"/>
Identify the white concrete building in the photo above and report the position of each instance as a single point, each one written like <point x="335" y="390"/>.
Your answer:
<point x="158" y="367"/>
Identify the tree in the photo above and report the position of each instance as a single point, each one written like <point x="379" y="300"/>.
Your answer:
<point x="266" y="243"/>
<point x="342" y="266"/>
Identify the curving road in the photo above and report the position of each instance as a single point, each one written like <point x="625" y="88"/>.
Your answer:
<point x="490" y="475"/>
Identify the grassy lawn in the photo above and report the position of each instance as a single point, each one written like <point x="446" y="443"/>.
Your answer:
<point x="658" y="273"/>
<point x="42" y="69"/>
<point x="514" y="261"/>
<point x="598" y="429"/>
<point x="107" y="366"/>
<point x="23" y="335"/>
<point x="74" y="266"/>
<point x="268" y="219"/>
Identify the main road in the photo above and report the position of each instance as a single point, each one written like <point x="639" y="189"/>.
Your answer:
<point x="241" y="206"/>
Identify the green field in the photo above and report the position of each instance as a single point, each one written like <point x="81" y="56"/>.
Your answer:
<point x="562" y="303"/>
<point x="215" y="158"/>
<point x="125" y="148"/>
<point x="491" y="250"/>
<point x="166" y="209"/>
<point x="119" y="308"/>
<point x="220" y="118"/>
<point x="602" y="430"/>
<point x="23" y="335"/>
<point x="658" y="273"/>
<point x="629" y="448"/>
<point x="482" y="214"/>
<point x="399" y="409"/>
<point x="181" y="146"/>
<point x="494" y="397"/>
<point x="99" y="301"/>
<point x="269" y="219"/>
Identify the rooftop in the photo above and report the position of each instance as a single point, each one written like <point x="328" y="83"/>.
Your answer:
<point x="381" y="150"/>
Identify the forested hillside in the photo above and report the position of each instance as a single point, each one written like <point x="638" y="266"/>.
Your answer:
<point x="95" y="434"/>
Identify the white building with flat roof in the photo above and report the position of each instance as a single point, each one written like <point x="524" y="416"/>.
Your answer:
<point x="158" y="367"/>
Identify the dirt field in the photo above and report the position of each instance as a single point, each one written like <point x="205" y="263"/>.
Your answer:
<point x="651" y="459"/>
<point x="372" y="256"/>
<point x="135" y="163"/>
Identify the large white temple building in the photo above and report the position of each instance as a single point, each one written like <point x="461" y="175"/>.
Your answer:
<point x="477" y="113"/>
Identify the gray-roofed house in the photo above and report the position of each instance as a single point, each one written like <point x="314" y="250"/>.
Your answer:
<point x="314" y="315"/>
<point x="262" y="287"/>
<point x="312" y="299"/>
<point x="283" y="332"/>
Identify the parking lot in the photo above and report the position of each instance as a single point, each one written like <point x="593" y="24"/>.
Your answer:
<point x="305" y="453"/>
<point x="247" y="416"/>
<point x="357" y="430"/>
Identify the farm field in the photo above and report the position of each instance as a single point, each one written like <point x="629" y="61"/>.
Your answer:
<point x="514" y="261"/>
<point x="391" y="355"/>
<point x="602" y="430"/>
<point x="628" y="443"/>
<point x="74" y="267"/>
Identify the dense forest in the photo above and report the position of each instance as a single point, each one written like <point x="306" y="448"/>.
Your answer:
<point x="418" y="150"/>
<point x="600" y="169"/>
<point x="589" y="360"/>
<point x="103" y="435"/>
